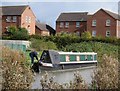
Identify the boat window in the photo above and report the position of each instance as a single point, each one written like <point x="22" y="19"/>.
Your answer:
<point x="45" y="57"/>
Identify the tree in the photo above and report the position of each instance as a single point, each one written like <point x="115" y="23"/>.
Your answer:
<point x="18" y="33"/>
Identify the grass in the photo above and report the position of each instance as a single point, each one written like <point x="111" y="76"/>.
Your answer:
<point x="28" y="57"/>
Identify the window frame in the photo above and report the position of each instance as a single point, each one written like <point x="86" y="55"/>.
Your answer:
<point x="61" y="24"/>
<point x="66" y="24"/>
<point x="94" y="23"/>
<point x="108" y="21"/>
<point x="14" y="19"/>
<point x="8" y="19"/>
<point x="77" y="24"/>
<point x="108" y="33"/>
<point x="94" y="33"/>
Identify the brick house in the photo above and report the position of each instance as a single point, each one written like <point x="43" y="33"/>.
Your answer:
<point x="40" y="29"/>
<point x="104" y="23"/>
<point x="75" y="22"/>
<point x="18" y="16"/>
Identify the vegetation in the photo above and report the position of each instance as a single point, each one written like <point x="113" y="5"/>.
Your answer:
<point x="15" y="73"/>
<point x="41" y="45"/>
<point x="62" y="40"/>
<point x="86" y="35"/>
<point x="98" y="47"/>
<point x="106" y="74"/>
<point x="17" y="33"/>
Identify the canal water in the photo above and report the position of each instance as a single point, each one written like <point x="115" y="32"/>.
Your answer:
<point x="64" y="76"/>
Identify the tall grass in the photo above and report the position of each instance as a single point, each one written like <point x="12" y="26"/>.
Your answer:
<point x="15" y="73"/>
<point x="106" y="74"/>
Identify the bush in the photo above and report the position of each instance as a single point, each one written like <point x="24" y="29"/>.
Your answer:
<point x="16" y="34"/>
<point x="106" y="74"/>
<point x="79" y="47"/>
<point x="41" y="45"/>
<point x="86" y="35"/>
<point x="15" y="73"/>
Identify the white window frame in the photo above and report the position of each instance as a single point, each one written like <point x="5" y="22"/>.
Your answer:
<point x="94" y="23"/>
<point x="66" y="24"/>
<point x="14" y="19"/>
<point x="61" y="24"/>
<point x="108" y="33"/>
<point x="94" y="33"/>
<point x="29" y="20"/>
<point x="8" y="19"/>
<point x="108" y="22"/>
<point x="77" y="24"/>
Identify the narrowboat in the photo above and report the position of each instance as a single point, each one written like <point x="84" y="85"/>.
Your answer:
<point x="51" y="59"/>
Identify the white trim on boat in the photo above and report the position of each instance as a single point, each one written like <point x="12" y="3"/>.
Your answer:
<point x="77" y="53"/>
<point x="79" y="62"/>
<point x="47" y="64"/>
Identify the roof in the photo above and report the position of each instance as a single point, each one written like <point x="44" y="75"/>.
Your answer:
<point x="75" y="16"/>
<point x="114" y="15"/>
<point x="41" y="26"/>
<point x="13" y="10"/>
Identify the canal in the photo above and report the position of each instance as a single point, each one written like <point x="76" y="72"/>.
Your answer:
<point x="64" y="76"/>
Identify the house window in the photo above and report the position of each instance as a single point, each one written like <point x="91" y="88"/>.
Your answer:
<point x="94" y="23"/>
<point x="93" y="33"/>
<point x="14" y="19"/>
<point x="108" y="22"/>
<point x="66" y="24"/>
<point x="77" y="24"/>
<point x="61" y="24"/>
<point x="8" y="19"/>
<point x="29" y="20"/>
<point x="107" y="33"/>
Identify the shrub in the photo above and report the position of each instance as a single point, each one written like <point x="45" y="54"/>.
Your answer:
<point x="86" y="35"/>
<point x="17" y="33"/>
<point x="15" y="73"/>
<point x="106" y="74"/>
<point x="79" y="47"/>
<point x="41" y="45"/>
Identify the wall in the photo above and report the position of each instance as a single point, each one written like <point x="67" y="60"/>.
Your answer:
<point x="101" y="27"/>
<point x="25" y="23"/>
<point x="7" y="24"/>
<point x="72" y="27"/>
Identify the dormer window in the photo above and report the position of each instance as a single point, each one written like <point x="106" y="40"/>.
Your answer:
<point x="8" y="19"/>
<point x="66" y="24"/>
<point x="108" y="22"/>
<point x="93" y="22"/>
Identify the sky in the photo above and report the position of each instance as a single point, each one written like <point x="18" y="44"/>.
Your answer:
<point x="47" y="11"/>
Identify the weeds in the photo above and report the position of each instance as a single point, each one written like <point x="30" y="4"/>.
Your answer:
<point x="16" y="75"/>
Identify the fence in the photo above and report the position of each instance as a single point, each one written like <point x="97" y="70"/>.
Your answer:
<point x="16" y="44"/>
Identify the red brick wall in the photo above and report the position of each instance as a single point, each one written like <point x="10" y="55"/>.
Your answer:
<point x="72" y="27"/>
<point x="101" y="27"/>
<point x="7" y="24"/>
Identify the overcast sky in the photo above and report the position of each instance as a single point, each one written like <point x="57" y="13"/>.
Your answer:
<point x="47" y="11"/>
